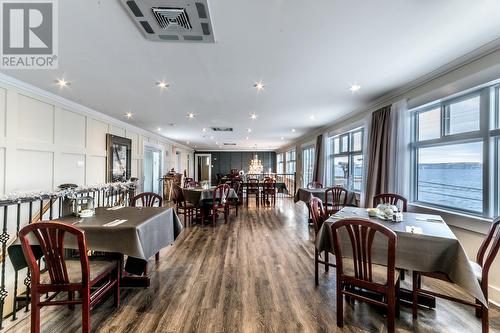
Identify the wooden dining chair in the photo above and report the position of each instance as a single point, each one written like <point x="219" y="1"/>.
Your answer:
<point x="148" y="199"/>
<point x="220" y="202"/>
<point x="183" y="207"/>
<point x="318" y="214"/>
<point x="359" y="272"/>
<point x="314" y="185"/>
<point x="335" y="199"/>
<point x="485" y="256"/>
<point x="391" y="198"/>
<point x="235" y="202"/>
<point x="253" y="188"/>
<point x="62" y="275"/>
<point x="269" y="191"/>
<point x="189" y="182"/>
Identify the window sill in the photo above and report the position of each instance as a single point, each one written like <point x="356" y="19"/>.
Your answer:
<point x="460" y="220"/>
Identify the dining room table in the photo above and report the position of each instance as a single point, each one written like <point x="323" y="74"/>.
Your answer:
<point x="425" y="243"/>
<point x="199" y="195"/>
<point x="135" y="232"/>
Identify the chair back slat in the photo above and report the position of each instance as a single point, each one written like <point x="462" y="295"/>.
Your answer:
<point x="338" y="196"/>
<point x="50" y="237"/>
<point x="392" y="199"/>
<point x="318" y="213"/>
<point x="269" y="184"/>
<point x="361" y="234"/>
<point x="148" y="199"/>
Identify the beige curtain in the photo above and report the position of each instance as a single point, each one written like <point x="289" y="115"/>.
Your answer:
<point x="378" y="152"/>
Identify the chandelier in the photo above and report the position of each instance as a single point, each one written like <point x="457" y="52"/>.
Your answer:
<point x="255" y="166"/>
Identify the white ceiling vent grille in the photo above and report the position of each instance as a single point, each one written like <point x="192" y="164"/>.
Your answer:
<point x="172" y="20"/>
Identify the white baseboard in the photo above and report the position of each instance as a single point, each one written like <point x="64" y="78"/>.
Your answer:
<point x="494" y="295"/>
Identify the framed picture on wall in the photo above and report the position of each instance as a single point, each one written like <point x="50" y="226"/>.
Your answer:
<point x="119" y="151"/>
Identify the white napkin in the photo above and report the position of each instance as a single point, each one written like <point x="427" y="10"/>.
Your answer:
<point x="414" y="230"/>
<point x="115" y="208"/>
<point x="114" y="223"/>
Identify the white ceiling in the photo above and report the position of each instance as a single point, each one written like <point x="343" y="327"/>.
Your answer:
<point x="307" y="53"/>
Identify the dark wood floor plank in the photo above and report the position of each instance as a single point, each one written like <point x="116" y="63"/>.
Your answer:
<point x="254" y="274"/>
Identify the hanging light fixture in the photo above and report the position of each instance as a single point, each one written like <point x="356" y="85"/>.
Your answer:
<point x="255" y="166"/>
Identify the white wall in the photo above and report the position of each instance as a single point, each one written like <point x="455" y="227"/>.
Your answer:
<point x="46" y="141"/>
<point x="483" y="69"/>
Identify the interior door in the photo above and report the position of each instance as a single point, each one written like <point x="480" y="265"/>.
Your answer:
<point x="203" y="167"/>
<point x="152" y="170"/>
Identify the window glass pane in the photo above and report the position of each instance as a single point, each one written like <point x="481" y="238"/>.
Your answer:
<point x="452" y="176"/>
<point x="307" y="166"/>
<point x="341" y="171"/>
<point x="336" y="145"/>
<point x="344" y="143"/>
<point x="357" y="172"/>
<point x="429" y="125"/>
<point x="357" y="140"/>
<point x="463" y="116"/>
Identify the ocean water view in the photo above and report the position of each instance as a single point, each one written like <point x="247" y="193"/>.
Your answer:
<point x="456" y="185"/>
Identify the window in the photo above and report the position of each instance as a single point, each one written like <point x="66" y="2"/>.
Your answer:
<point x="345" y="160"/>
<point x="290" y="161"/>
<point x="307" y="165"/>
<point x="280" y="164"/>
<point x="456" y="152"/>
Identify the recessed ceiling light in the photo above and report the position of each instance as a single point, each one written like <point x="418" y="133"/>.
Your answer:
<point x="159" y="128"/>
<point x="282" y="138"/>
<point x="62" y="83"/>
<point x="293" y="130"/>
<point x="312" y="117"/>
<point x="129" y="115"/>
<point x="247" y="137"/>
<point x="190" y="115"/>
<point x="211" y="137"/>
<point x="216" y="143"/>
<point x="163" y="84"/>
<point x="354" y="87"/>
<point x="204" y="129"/>
<point x="253" y="116"/>
<point x="259" y="86"/>
<point x="249" y="130"/>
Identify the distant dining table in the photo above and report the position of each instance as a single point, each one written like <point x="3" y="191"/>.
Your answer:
<point x="306" y="194"/>
<point x="280" y="186"/>
<point x="425" y="243"/>
<point x="198" y="195"/>
<point x="136" y="232"/>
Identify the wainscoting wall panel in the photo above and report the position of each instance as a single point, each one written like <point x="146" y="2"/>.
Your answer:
<point x="35" y="120"/>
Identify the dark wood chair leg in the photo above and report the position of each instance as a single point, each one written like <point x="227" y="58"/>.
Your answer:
<point x="478" y="310"/>
<point x="391" y="307"/>
<point x="117" y="287"/>
<point x="327" y="266"/>
<point x="35" y="312"/>
<point x="415" y="287"/>
<point x="485" y="319"/>
<point x="157" y="256"/>
<point x="398" y="308"/>
<point x="71" y="296"/>
<point x="85" y="311"/>
<point x="340" y="305"/>
<point x="316" y="268"/>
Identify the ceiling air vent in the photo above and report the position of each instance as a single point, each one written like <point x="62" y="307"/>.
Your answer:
<point x="172" y="18"/>
<point x="177" y="21"/>
<point x="229" y="144"/>
<point x="222" y="129"/>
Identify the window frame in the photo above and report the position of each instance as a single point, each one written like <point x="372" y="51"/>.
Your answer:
<point x="350" y="153"/>
<point x="304" y="149"/>
<point x="280" y="163"/>
<point x="485" y="134"/>
<point x="291" y="161"/>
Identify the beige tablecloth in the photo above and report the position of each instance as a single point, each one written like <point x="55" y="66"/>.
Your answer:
<point x="435" y="250"/>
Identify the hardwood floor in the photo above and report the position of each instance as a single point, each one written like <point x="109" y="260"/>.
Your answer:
<point x="254" y="274"/>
